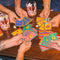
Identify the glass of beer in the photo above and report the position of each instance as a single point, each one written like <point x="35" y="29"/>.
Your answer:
<point x="31" y="8"/>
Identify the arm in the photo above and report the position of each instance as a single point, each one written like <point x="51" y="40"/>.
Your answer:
<point x="11" y="42"/>
<point x="5" y="44"/>
<point x="20" y="55"/>
<point x="11" y="14"/>
<point x="17" y="3"/>
<point x="25" y="46"/>
<point x="46" y="10"/>
<point x="20" y="12"/>
<point x="55" y="21"/>
<point x="46" y="3"/>
<point x="4" y="9"/>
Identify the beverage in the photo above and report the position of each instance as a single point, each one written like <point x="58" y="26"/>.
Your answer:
<point x="31" y="8"/>
<point x="4" y="22"/>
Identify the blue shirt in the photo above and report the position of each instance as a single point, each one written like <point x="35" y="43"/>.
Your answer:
<point x="7" y="2"/>
<point x="55" y="4"/>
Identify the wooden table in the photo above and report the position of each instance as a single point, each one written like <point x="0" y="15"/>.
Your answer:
<point x="35" y="52"/>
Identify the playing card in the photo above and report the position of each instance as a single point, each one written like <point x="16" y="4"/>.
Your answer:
<point x="53" y="37"/>
<point x="34" y="30"/>
<point x="48" y="26"/>
<point x="27" y="27"/>
<point x="1" y="33"/>
<point x="17" y="32"/>
<point x="26" y="32"/>
<point x="43" y="48"/>
<point x="31" y="36"/>
<point x="23" y="22"/>
<point x="45" y="42"/>
<point x="19" y="23"/>
<point x="42" y="27"/>
<point x="39" y="19"/>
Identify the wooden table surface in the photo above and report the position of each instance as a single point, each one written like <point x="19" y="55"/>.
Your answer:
<point x="35" y="52"/>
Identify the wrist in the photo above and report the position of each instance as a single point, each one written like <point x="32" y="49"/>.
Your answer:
<point x="21" y="51"/>
<point x="8" y="11"/>
<point x="46" y="6"/>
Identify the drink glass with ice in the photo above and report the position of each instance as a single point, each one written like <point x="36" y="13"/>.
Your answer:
<point x="31" y="8"/>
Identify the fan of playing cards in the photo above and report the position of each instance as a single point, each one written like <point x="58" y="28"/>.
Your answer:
<point x="23" y="22"/>
<point x="45" y="33"/>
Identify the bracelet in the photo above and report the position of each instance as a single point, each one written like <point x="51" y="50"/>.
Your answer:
<point x="46" y="4"/>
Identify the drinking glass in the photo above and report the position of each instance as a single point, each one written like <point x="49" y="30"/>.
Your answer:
<point x="4" y="24"/>
<point x="31" y="8"/>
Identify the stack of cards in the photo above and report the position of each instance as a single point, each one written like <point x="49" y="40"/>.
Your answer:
<point x="23" y="22"/>
<point x="46" y="41"/>
<point x="29" y="32"/>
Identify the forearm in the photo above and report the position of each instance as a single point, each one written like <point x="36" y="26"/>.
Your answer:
<point x="6" y="44"/>
<point x="18" y="3"/>
<point x="20" y="56"/>
<point x="4" y="9"/>
<point x="46" y="3"/>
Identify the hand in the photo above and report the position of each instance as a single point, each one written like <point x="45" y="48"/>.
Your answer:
<point x="20" y="12"/>
<point x="55" y="21"/>
<point x="45" y="13"/>
<point x="12" y="17"/>
<point x="17" y="40"/>
<point x="25" y="46"/>
<point x="56" y="44"/>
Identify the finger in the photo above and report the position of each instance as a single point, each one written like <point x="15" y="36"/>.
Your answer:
<point x="46" y="15"/>
<point x="30" y="43"/>
<point x="16" y="17"/>
<point x="20" y="41"/>
<point x="26" y="14"/>
<point x="56" y="47"/>
<point x="56" y="41"/>
<point x="41" y="15"/>
<point x="51" y="21"/>
<point x="12" y="20"/>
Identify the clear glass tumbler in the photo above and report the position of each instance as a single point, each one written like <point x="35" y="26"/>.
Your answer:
<point x="31" y="8"/>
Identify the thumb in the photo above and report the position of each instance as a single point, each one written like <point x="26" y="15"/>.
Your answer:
<point x="25" y="42"/>
<point x="51" y="21"/>
<point x="16" y="17"/>
<point x="56" y="41"/>
<point x="30" y="43"/>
